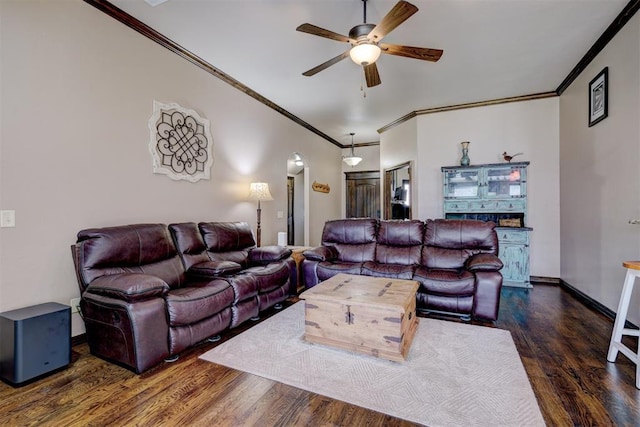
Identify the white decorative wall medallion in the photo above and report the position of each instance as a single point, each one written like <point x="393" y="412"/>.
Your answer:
<point x="181" y="143"/>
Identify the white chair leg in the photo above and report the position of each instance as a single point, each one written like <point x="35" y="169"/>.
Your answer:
<point x="621" y="316"/>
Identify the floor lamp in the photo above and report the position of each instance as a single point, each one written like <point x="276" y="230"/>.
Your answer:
<point x="259" y="191"/>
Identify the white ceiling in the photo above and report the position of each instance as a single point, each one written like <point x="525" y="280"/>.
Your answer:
<point x="492" y="49"/>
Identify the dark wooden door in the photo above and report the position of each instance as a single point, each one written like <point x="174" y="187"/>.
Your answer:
<point x="363" y="194"/>
<point x="290" y="224"/>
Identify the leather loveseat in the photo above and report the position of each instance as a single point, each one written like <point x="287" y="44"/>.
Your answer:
<point x="455" y="261"/>
<point x="149" y="291"/>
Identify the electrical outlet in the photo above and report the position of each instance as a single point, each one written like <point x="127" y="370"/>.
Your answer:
<point x="7" y="219"/>
<point x="75" y="305"/>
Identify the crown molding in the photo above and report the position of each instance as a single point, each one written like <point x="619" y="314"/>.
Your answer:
<point x="627" y="13"/>
<point x="137" y="25"/>
<point x="467" y="105"/>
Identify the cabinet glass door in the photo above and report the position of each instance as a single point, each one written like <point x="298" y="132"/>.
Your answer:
<point x="504" y="182"/>
<point x="461" y="183"/>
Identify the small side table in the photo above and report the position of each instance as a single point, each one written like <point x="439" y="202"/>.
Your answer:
<point x="633" y="271"/>
<point x="298" y="257"/>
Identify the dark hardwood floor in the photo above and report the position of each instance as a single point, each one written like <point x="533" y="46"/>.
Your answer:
<point x="562" y="343"/>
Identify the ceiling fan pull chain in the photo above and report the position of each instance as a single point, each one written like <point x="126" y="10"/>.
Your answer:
<point x="363" y="86"/>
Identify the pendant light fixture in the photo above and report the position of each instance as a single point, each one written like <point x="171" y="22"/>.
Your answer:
<point x="352" y="160"/>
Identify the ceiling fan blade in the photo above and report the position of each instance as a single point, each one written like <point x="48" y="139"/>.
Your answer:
<point x="317" y="31"/>
<point x="396" y="16"/>
<point x="325" y="65"/>
<point x="371" y="75"/>
<point x="424" y="53"/>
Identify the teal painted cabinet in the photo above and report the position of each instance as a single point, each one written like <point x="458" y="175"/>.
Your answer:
<point x="494" y="192"/>
<point x="514" y="253"/>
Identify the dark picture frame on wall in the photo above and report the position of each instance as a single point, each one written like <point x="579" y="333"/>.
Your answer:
<point x="599" y="97"/>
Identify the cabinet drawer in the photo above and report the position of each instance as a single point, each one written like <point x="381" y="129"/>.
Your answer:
<point x="511" y="206"/>
<point x="509" y="236"/>
<point x="456" y="206"/>
<point x="484" y="206"/>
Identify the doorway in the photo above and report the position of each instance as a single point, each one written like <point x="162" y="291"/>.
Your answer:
<point x="397" y="192"/>
<point x="363" y="194"/>
<point x="297" y="200"/>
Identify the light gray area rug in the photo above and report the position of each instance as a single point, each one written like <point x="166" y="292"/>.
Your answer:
<point x="455" y="374"/>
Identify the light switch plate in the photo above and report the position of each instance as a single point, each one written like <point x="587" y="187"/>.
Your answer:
<point x="7" y="219"/>
<point x="280" y="214"/>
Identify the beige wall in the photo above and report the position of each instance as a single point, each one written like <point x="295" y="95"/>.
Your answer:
<point x="600" y="175"/>
<point x="530" y="127"/>
<point x="77" y="92"/>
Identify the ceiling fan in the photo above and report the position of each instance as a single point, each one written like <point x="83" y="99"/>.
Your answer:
<point x="365" y="42"/>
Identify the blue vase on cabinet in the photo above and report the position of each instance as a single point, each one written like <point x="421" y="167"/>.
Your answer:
<point x="465" y="161"/>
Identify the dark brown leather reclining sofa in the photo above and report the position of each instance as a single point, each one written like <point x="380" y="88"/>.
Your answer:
<point x="149" y="291"/>
<point x="455" y="261"/>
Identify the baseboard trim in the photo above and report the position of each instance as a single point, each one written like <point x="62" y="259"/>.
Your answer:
<point x="545" y="280"/>
<point x="593" y="304"/>
<point x="588" y="301"/>
<point x="78" y="339"/>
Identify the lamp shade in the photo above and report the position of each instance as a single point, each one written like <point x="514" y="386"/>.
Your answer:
<point x="260" y="191"/>
<point x="352" y="160"/>
<point x="365" y="53"/>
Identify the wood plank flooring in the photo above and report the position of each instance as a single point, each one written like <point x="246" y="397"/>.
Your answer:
<point x="562" y="343"/>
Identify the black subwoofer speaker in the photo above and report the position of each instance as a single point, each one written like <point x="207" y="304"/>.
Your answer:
<point x="34" y="341"/>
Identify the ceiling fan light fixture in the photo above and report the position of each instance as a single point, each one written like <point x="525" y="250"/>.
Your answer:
<point x="365" y="53"/>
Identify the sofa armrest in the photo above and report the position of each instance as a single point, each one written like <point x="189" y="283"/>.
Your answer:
<point x="267" y="254"/>
<point x="129" y="286"/>
<point x="211" y="269"/>
<point x="483" y="262"/>
<point x="321" y="253"/>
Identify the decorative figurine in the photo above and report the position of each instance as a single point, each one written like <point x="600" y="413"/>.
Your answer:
<point x="464" y="161"/>
<point x="508" y="157"/>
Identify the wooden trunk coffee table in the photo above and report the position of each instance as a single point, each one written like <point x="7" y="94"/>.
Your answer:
<point x="371" y="315"/>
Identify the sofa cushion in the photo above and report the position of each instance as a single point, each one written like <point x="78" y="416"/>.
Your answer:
<point x="271" y="276"/>
<point x="325" y="270"/>
<point x="137" y="248"/>
<point x="401" y="233"/>
<point x="245" y="286"/>
<point x="449" y="242"/>
<point x="199" y="301"/>
<point x="226" y="236"/>
<point x="267" y="254"/>
<point x="405" y="255"/>
<point x="445" y="282"/>
<point x="129" y="286"/>
<point x="397" y="271"/>
<point x="356" y="253"/>
<point x="210" y="269"/>
<point x="353" y="239"/>
<point x="321" y="253"/>
<point x="483" y="262"/>
<point x="189" y="243"/>
<point x="399" y="242"/>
